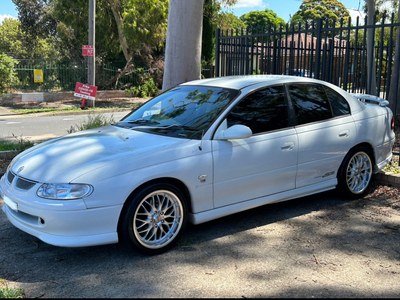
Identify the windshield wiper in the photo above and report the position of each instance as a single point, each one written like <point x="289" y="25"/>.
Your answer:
<point x="178" y="126"/>
<point x="140" y="121"/>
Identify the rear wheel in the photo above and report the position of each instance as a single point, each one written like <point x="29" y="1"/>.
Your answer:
<point x="154" y="219"/>
<point x="356" y="173"/>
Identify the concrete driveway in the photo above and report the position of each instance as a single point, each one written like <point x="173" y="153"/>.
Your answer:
<point x="316" y="246"/>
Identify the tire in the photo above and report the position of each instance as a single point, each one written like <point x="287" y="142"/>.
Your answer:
<point x="154" y="219"/>
<point x="355" y="174"/>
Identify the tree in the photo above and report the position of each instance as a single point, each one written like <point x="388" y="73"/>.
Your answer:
<point x="125" y="28"/>
<point x="72" y="29"/>
<point x="260" y="19"/>
<point x="20" y="44"/>
<point x="312" y="10"/>
<point x="35" y="17"/>
<point x="183" y="46"/>
<point x="213" y="18"/>
<point x="227" y="20"/>
<point x="208" y="33"/>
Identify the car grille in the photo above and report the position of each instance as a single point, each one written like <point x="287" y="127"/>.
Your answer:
<point x="10" y="177"/>
<point x="20" y="183"/>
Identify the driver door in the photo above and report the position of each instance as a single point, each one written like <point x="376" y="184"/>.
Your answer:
<point x="262" y="164"/>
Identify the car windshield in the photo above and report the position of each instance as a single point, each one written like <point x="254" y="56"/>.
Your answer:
<point x="183" y="111"/>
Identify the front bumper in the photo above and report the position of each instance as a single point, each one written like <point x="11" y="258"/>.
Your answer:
<point x="60" y="223"/>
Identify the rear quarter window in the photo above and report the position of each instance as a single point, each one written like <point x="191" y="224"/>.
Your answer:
<point x="340" y="106"/>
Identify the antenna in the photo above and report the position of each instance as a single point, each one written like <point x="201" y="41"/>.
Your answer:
<point x="201" y="141"/>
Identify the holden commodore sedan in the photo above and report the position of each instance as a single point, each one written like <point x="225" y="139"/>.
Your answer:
<point x="199" y="151"/>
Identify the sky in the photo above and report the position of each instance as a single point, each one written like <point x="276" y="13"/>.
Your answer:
<point x="284" y="8"/>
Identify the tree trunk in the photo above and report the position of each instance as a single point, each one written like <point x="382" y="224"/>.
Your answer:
<point x="183" y="46"/>
<point x="115" y="4"/>
<point x="371" y="77"/>
<point x="394" y="93"/>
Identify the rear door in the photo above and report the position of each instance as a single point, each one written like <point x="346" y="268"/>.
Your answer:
<point x="325" y="129"/>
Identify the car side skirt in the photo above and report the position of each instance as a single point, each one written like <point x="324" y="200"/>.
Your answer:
<point x="249" y="204"/>
<point x="383" y="163"/>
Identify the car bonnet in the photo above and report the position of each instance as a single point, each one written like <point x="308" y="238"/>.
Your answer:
<point x="61" y="160"/>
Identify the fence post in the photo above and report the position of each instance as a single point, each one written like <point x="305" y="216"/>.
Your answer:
<point x="217" y="54"/>
<point x="318" y="48"/>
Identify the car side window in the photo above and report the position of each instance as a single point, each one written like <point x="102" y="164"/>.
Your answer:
<point x="262" y="111"/>
<point x="339" y="105"/>
<point x="310" y="103"/>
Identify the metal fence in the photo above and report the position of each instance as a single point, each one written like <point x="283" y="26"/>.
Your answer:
<point x="63" y="75"/>
<point x="336" y="53"/>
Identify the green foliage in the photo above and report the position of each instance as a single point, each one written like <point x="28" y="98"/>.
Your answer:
<point x="35" y="17"/>
<point x="213" y="18"/>
<point x="20" y="44"/>
<point x="92" y="121"/>
<point x="393" y="165"/>
<point x="208" y="34"/>
<point x="6" y="293"/>
<point x="8" y="76"/>
<point x="19" y="144"/>
<point x="145" y="22"/>
<point x="312" y="10"/>
<point x="383" y="7"/>
<point x="262" y="19"/>
<point x="72" y="28"/>
<point x="146" y="88"/>
<point x="227" y="20"/>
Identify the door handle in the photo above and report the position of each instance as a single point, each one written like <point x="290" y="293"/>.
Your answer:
<point x="288" y="146"/>
<point x="344" y="133"/>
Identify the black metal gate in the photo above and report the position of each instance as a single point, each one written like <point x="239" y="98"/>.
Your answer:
<point x="334" y="54"/>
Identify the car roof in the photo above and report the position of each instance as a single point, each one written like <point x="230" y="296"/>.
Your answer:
<point x="242" y="81"/>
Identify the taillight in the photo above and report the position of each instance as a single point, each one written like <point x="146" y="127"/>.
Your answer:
<point x="392" y="125"/>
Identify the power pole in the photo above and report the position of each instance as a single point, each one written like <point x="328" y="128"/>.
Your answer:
<point x="92" y="39"/>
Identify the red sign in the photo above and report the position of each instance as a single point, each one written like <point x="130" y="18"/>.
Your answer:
<point x="85" y="91"/>
<point x="87" y="50"/>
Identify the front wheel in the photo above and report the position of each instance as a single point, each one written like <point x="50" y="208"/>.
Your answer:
<point x="355" y="174"/>
<point x="154" y="219"/>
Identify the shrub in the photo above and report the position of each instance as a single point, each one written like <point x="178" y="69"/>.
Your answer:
<point x="145" y="89"/>
<point x="93" y="121"/>
<point x="8" y="78"/>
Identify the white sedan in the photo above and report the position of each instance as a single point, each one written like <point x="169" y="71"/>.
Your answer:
<point x="200" y="151"/>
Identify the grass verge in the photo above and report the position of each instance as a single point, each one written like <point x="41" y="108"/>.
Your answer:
<point x="19" y="144"/>
<point x="9" y="293"/>
<point x="25" y="111"/>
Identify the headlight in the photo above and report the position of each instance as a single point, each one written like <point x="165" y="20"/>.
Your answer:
<point x="64" y="191"/>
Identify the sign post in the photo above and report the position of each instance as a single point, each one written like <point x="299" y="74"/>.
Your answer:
<point x="87" y="50"/>
<point x="85" y="91"/>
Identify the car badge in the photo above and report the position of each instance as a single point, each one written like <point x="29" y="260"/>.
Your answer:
<point x="203" y="178"/>
<point x="20" y="169"/>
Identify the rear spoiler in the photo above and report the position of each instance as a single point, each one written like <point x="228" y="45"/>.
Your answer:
<point x="371" y="99"/>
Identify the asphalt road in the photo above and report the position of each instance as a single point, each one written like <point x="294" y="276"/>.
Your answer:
<point x="45" y="127"/>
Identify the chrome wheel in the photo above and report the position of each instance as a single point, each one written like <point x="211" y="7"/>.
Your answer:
<point x="359" y="172"/>
<point x="158" y="219"/>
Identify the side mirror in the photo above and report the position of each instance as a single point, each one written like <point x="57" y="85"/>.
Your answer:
<point x="234" y="132"/>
